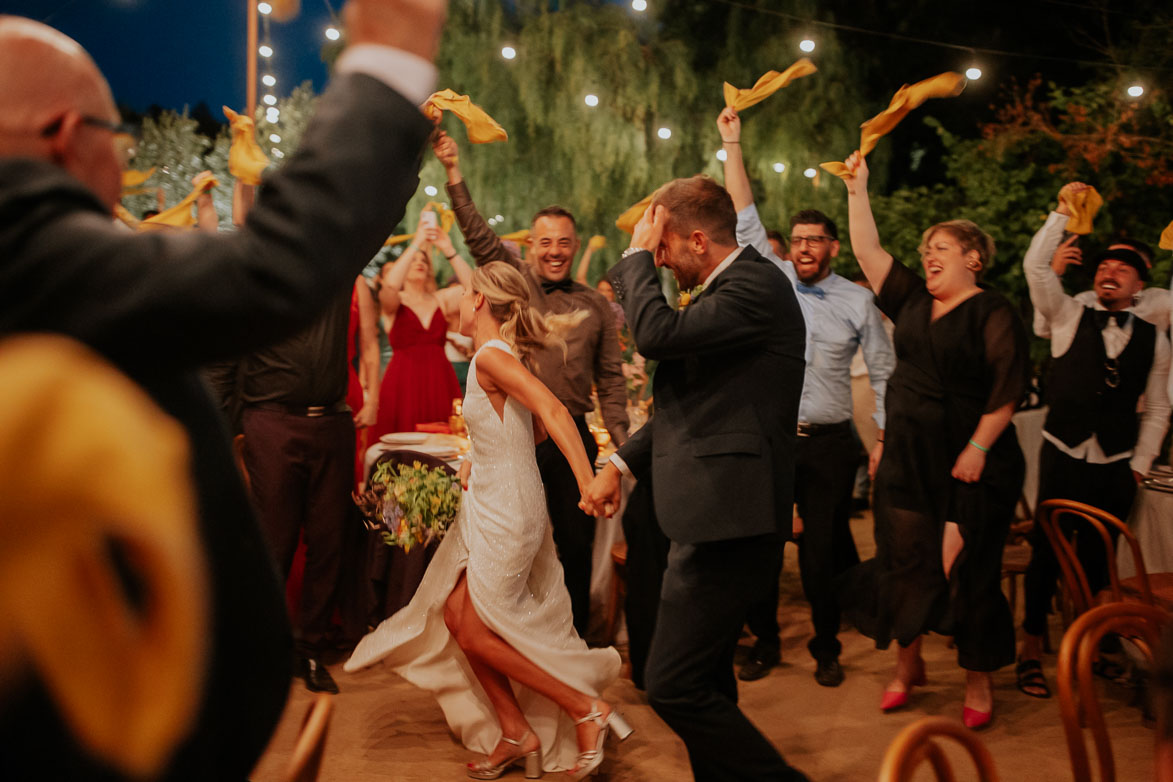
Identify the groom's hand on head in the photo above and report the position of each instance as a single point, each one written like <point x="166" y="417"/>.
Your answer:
<point x="410" y="25"/>
<point x="650" y="228"/>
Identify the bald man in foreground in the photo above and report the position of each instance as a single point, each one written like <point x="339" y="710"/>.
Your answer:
<point x="160" y="305"/>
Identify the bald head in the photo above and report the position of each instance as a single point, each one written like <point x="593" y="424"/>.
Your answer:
<point x="48" y="81"/>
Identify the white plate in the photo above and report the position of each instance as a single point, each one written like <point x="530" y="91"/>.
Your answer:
<point x="404" y="438"/>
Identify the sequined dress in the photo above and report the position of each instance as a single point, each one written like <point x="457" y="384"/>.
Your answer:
<point x="502" y="539"/>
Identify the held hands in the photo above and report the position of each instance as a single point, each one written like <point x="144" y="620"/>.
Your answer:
<point x="729" y="125"/>
<point x="650" y="228"/>
<point x="969" y="465"/>
<point x="857" y="180"/>
<point x="464" y="473"/>
<point x="601" y="496"/>
<point x="1071" y="189"/>
<point x="874" y="459"/>
<point x="1068" y="254"/>
<point x="367" y="416"/>
<point x="412" y="26"/>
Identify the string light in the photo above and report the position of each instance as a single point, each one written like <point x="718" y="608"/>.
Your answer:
<point x="270" y="100"/>
<point x="1135" y="91"/>
<point x="639" y="5"/>
<point x="779" y="168"/>
<point x="508" y="52"/>
<point x="500" y="219"/>
<point x="333" y="34"/>
<point x="809" y="173"/>
<point x="592" y="100"/>
<point x="278" y="153"/>
<point x="268" y="80"/>
<point x="272" y="114"/>
<point x="973" y="74"/>
<point x="274" y="138"/>
<point x="265" y="8"/>
<point x="431" y="191"/>
<point x="664" y="133"/>
<point x="265" y="50"/>
<point x="807" y="45"/>
<point x="492" y="221"/>
<point x="722" y="155"/>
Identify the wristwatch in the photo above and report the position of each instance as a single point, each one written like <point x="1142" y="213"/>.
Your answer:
<point x="632" y="251"/>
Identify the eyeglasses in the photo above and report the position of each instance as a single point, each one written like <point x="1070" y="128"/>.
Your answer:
<point x="125" y="134"/>
<point x="813" y="241"/>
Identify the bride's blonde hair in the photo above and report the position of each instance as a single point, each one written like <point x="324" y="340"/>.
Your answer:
<point x="525" y="329"/>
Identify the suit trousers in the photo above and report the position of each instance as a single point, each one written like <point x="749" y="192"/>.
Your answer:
<point x="302" y="474"/>
<point x="1110" y="487"/>
<point x="647" y="559"/>
<point x="708" y="588"/>
<point x="574" y="531"/>
<point x="824" y="477"/>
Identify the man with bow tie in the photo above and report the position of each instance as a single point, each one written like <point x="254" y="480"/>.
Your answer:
<point x="592" y="357"/>
<point x="841" y="317"/>
<point x="1095" y="449"/>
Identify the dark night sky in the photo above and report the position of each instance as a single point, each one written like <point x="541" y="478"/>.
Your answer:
<point x="198" y="54"/>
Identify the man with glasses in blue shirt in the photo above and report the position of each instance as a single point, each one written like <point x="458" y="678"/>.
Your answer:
<point x="841" y="317"/>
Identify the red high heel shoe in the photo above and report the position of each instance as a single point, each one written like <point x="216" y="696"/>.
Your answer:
<point x="894" y="699"/>
<point x="974" y="719"/>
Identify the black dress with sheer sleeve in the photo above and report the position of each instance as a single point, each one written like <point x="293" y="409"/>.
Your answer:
<point x="949" y="373"/>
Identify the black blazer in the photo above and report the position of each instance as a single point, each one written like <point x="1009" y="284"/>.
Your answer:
<point x="720" y="446"/>
<point x="162" y="304"/>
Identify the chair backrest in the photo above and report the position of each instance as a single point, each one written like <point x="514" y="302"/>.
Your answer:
<point x="238" y="455"/>
<point x="1052" y="513"/>
<point x="1140" y="623"/>
<point x="915" y="745"/>
<point x="311" y="742"/>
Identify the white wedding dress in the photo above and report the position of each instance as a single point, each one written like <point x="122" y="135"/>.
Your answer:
<point x="502" y="540"/>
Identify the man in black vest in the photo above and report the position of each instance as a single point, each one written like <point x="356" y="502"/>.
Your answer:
<point x="1094" y="450"/>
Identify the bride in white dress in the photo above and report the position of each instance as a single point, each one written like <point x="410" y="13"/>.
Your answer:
<point x="489" y="630"/>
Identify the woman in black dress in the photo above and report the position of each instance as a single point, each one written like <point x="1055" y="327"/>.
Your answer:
<point x="951" y="471"/>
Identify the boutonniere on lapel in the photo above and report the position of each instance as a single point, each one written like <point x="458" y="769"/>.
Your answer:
<point x="687" y="296"/>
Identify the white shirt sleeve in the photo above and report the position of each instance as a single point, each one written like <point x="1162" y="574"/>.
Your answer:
<point x="411" y="76"/>
<point x="1061" y="311"/>
<point x="1154" y="420"/>
<point x="751" y="233"/>
<point x="620" y="465"/>
<point x="879" y="355"/>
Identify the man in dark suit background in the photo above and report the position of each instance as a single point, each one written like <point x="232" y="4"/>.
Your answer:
<point x="720" y="450"/>
<point x="160" y="305"/>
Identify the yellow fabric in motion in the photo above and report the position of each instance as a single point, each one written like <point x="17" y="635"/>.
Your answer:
<point x="766" y="86"/>
<point x="521" y="237"/>
<point x="180" y="215"/>
<point x="132" y="178"/>
<point x="597" y="242"/>
<point x="482" y="129"/>
<point x="628" y="219"/>
<point x="246" y="161"/>
<point x="1083" y="206"/>
<point x="447" y="219"/>
<point x="125" y="216"/>
<point x="1167" y="237"/>
<point x="907" y="98"/>
<point x="86" y="458"/>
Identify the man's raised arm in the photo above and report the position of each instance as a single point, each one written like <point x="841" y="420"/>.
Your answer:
<point x="482" y="241"/>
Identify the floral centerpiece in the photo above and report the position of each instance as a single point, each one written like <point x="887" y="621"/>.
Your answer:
<point x="410" y="504"/>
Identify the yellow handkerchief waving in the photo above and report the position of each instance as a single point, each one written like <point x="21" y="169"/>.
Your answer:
<point x="907" y="98"/>
<point x="132" y="178"/>
<point x="447" y="218"/>
<point x="627" y="221"/>
<point x="597" y="242"/>
<point x="246" y="161"/>
<point x="520" y="237"/>
<point x="766" y="86"/>
<point x="180" y="215"/>
<point x="1083" y="206"/>
<point x="1167" y="237"/>
<point x="482" y="129"/>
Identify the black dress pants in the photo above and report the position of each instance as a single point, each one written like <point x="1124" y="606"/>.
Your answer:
<point x="574" y="531"/>
<point x="302" y="474"/>
<point x="647" y="559"/>
<point x="824" y="477"/>
<point x="707" y="591"/>
<point x="1110" y="487"/>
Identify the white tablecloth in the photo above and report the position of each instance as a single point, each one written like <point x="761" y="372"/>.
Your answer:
<point x="1151" y="521"/>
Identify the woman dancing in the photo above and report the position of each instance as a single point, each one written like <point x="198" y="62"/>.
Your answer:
<point x="951" y="470"/>
<point x="492" y="609"/>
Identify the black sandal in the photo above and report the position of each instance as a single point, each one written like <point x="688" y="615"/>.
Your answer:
<point x="1030" y="675"/>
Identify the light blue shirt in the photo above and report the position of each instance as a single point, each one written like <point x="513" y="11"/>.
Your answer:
<point x="837" y="325"/>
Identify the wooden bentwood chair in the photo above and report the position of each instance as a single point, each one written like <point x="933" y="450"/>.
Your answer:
<point x="1139" y="623"/>
<point x="917" y="744"/>
<point x="311" y="742"/>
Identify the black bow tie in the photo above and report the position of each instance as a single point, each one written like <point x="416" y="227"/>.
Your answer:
<point x="1102" y="317"/>
<point x="566" y="285"/>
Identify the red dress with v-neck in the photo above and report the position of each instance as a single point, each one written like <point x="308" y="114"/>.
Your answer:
<point x="420" y="383"/>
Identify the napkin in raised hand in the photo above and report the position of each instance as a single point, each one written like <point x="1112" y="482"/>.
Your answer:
<point x="482" y="129"/>
<point x="771" y="82"/>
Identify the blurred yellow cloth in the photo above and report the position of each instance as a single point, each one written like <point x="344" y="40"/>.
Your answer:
<point x="246" y="161"/>
<point x="521" y="237"/>
<point x="627" y="221"/>
<point x="907" y="98"/>
<point x="284" y="10"/>
<point x="132" y="178"/>
<point x="1167" y="237"/>
<point x="447" y="219"/>
<point x="1083" y="206"/>
<point x="123" y="214"/>
<point x="180" y="215"/>
<point x="86" y="458"/>
<point x="766" y="86"/>
<point x="482" y="129"/>
<point x="597" y="242"/>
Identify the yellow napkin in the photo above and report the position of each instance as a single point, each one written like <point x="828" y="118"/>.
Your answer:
<point x="180" y="215"/>
<point x="517" y="236"/>
<point x="766" y="86"/>
<point x="284" y="10"/>
<point x="482" y="129"/>
<point x="1083" y="206"/>
<point x="132" y="178"/>
<point x="447" y="218"/>
<point x="628" y="219"/>
<point x="246" y="161"/>
<point x="907" y="98"/>
<point x="1166" y="237"/>
<point x="597" y="242"/>
<point x="126" y="680"/>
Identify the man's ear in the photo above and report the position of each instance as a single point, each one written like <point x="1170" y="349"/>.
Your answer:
<point x="61" y="142"/>
<point x="834" y="248"/>
<point x="698" y="242"/>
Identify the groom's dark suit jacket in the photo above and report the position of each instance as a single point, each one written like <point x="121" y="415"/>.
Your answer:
<point x="161" y="305"/>
<point x="720" y="447"/>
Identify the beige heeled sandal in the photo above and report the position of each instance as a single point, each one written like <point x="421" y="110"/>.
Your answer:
<point x="590" y="760"/>
<point x="532" y="761"/>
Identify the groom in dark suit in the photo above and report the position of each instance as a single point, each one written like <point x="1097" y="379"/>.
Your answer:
<point x="720" y="450"/>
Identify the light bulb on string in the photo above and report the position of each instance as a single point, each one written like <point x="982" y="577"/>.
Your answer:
<point x="274" y="138"/>
<point x="270" y="100"/>
<point x="272" y="114"/>
<point x="332" y="33"/>
<point x="639" y="5"/>
<point x="269" y="80"/>
<point x="430" y="191"/>
<point x="664" y="133"/>
<point x="810" y="173"/>
<point x="973" y="73"/>
<point x="1135" y="91"/>
<point x="807" y="45"/>
<point x="265" y="8"/>
<point x="265" y="50"/>
<point x="779" y="168"/>
<point x="499" y="219"/>
<point x="278" y="153"/>
<point x="591" y="100"/>
<point x="722" y="155"/>
<point x="508" y="52"/>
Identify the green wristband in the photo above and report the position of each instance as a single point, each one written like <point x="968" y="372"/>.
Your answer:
<point x="981" y="448"/>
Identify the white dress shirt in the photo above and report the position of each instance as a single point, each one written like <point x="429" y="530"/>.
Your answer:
<point x="1062" y="314"/>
